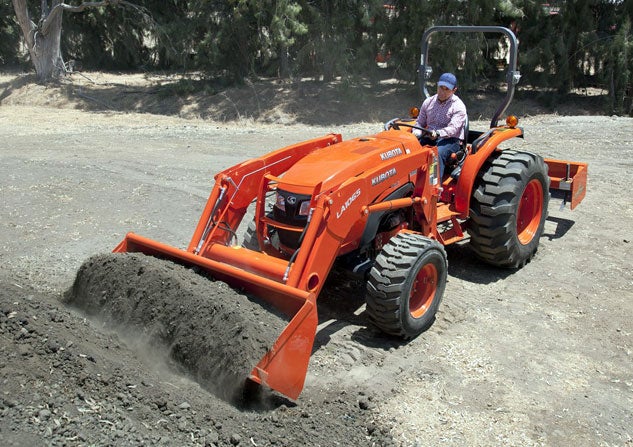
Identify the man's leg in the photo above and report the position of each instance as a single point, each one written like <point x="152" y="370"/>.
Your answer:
<point x="445" y="148"/>
<point x="426" y="141"/>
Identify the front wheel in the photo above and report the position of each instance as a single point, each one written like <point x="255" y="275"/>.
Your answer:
<point x="509" y="208"/>
<point x="406" y="285"/>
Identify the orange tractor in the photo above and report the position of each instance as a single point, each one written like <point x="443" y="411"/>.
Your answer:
<point x="373" y="206"/>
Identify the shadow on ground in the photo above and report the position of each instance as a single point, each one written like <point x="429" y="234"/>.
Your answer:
<point x="262" y="100"/>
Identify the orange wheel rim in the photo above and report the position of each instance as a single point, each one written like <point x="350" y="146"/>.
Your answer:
<point x="423" y="291"/>
<point x="530" y="212"/>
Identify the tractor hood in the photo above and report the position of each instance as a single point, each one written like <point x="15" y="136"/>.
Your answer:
<point x="337" y="163"/>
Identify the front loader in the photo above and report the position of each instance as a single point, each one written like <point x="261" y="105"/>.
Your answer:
<point x="374" y="207"/>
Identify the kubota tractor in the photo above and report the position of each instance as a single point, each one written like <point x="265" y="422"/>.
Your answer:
<point x="374" y="206"/>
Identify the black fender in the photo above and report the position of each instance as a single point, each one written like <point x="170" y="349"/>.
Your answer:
<point x="373" y="222"/>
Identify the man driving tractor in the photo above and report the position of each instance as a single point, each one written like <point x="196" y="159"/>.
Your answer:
<point x="445" y="115"/>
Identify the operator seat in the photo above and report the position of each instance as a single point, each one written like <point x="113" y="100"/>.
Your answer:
<point x="457" y="159"/>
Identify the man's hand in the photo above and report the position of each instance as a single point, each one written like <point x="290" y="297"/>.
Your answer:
<point x="417" y="132"/>
<point x="435" y="135"/>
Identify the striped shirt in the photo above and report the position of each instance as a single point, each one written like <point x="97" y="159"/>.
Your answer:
<point x="448" y="118"/>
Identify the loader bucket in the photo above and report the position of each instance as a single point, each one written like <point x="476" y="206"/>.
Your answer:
<point x="568" y="178"/>
<point x="284" y="366"/>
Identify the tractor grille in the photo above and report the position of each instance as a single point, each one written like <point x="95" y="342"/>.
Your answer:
<point x="291" y="209"/>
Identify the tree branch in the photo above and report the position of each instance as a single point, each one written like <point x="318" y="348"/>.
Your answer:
<point x="61" y="7"/>
<point x="84" y="5"/>
<point x="44" y="9"/>
<point x="24" y="20"/>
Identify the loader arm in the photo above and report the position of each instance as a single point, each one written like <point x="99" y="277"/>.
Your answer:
<point x="237" y="186"/>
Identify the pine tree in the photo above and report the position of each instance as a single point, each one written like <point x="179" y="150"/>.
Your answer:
<point x="9" y="36"/>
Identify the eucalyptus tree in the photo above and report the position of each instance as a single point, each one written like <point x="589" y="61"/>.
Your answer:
<point x="43" y="35"/>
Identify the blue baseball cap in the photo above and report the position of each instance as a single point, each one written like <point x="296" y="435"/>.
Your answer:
<point x="448" y="80"/>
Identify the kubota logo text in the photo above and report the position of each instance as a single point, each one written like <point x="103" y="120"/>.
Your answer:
<point x="390" y="154"/>
<point x="347" y="203"/>
<point x="382" y="177"/>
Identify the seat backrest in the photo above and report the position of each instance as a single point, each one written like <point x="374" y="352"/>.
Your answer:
<point x="466" y="130"/>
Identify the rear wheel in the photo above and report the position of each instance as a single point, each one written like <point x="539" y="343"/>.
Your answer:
<point x="509" y="208"/>
<point x="406" y="285"/>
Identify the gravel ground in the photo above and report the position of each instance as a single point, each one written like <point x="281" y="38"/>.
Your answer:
<point x="538" y="356"/>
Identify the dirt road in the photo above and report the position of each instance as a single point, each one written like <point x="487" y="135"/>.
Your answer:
<point x="539" y="356"/>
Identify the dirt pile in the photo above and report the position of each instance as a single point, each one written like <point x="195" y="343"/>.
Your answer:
<point x="66" y="380"/>
<point x="215" y="332"/>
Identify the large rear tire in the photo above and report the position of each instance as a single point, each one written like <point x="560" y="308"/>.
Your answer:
<point x="406" y="285"/>
<point x="509" y="208"/>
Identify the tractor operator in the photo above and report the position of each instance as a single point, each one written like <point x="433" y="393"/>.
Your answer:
<point x="445" y="115"/>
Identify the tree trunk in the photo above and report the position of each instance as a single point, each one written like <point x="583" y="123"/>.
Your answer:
<point x="46" y="54"/>
<point x="284" y="67"/>
<point x="43" y="40"/>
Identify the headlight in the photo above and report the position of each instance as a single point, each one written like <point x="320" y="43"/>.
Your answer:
<point x="304" y="209"/>
<point x="291" y="205"/>
<point x="280" y="202"/>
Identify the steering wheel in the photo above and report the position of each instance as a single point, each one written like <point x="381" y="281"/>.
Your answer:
<point x="392" y="124"/>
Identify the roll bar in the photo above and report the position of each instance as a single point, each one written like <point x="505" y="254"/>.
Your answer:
<point x="512" y="76"/>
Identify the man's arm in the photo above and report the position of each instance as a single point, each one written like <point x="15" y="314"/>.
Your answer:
<point x="421" y="121"/>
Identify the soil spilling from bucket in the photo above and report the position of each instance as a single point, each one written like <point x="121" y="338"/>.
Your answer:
<point x="216" y="333"/>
